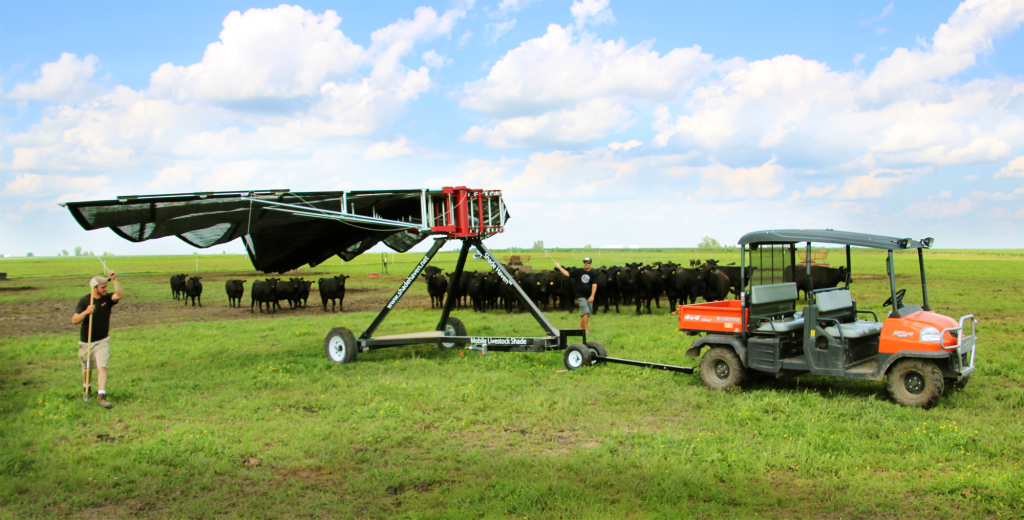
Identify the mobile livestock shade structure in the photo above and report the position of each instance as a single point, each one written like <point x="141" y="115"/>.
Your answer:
<point x="284" y="230"/>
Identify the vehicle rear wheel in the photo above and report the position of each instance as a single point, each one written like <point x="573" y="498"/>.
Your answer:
<point x="340" y="345"/>
<point x="721" y="368"/>
<point x="597" y="349"/>
<point x="915" y="382"/>
<point x="453" y="327"/>
<point x="577" y="356"/>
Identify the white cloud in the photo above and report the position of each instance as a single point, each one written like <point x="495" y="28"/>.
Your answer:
<point x="928" y="210"/>
<point x="998" y="213"/>
<point x="877" y="184"/>
<point x="886" y="11"/>
<point x="857" y="58"/>
<point x="1015" y="169"/>
<point x="33" y="185"/>
<point x="955" y="46"/>
<point x="559" y="70"/>
<point x="594" y="12"/>
<point x="632" y="143"/>
<point x="67" y="79"/>
<point x="498" y="29"/>
<point x="587" y="121"/>
<point x="174" y="177"/>
<point x="722" y="182"/>
<point x="387" y="150"/>
<point x="435" y="60"/>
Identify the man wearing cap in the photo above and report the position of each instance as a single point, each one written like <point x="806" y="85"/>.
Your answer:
<point x="97" y="304"/>
<point x="584" y="282"/>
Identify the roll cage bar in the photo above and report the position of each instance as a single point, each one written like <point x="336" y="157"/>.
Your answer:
<point x="755" y="239"/>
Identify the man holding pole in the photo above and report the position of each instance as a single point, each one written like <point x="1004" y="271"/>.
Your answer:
<point x="584" y="282"/>
<point x="93" y="313"/>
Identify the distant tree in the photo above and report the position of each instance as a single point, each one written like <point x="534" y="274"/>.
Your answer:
<point x="539" y="244"/>
<point x="63" y="252"/>
<point x="588" y="246"/>
<point x="107" y="253"/>
<point x="78" y="251"/>
<point x="30" y="255"/>
<point x="708" y="242"/>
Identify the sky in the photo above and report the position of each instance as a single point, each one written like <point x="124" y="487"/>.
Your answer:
<point x="605" y="123"/>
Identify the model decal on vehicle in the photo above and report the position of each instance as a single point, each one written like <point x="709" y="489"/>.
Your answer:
<point x="903" y="334"/>
<point x="498" y="341"/>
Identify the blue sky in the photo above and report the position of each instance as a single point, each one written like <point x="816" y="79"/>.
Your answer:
<point x="605" y="123"/>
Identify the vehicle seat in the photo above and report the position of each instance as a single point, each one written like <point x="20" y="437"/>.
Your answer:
<point x="838" y="305"/>
<point x="772" y="308"/>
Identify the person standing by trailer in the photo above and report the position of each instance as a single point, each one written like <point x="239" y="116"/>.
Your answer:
<point x="94" y="348"/>
<point x="584" y="283"/>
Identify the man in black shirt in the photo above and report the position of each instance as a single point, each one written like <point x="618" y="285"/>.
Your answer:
<point x="584" y="283"/>
<point x="93" y="310"/>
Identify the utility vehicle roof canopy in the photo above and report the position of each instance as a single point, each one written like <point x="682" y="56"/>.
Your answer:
<point x="828" y="236"/>
<point x="283" y="230"/>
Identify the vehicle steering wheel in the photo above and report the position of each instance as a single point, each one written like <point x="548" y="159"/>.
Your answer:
<point x="899" y="299"/>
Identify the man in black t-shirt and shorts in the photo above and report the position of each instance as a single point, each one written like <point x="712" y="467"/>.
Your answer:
<point x="584" y="284"/>
<point x="102" y="303"/>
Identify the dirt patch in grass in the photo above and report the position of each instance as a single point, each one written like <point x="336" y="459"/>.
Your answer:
<point x="17" y="289"/>
<point x="54" y="317"/>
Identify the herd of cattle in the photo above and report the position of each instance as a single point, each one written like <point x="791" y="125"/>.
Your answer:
<point x="271" y="291"/>
<point x="632" y="284"/>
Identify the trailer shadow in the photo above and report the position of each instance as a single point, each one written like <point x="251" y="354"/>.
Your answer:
<point x="826" y="387"/>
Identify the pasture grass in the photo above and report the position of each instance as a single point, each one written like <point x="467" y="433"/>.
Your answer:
<point x="248" y="418"/>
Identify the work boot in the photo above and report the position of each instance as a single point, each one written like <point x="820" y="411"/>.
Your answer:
<point x="102" y="400"/>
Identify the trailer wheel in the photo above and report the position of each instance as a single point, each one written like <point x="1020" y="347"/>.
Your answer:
<point x="577" y="356"/>
<point x="720" y="368"/>
<point x="341" y="345"/>
<point x="597" y="349"/>
<point x="915" y="382"/>
<point x="453" y="327"/>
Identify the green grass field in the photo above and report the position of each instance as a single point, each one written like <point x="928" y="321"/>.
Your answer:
<point x="248" y="418"/>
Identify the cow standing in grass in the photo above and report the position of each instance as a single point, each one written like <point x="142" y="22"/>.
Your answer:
<point x="235" y="290"/>
<point x="194" y="290"/>
<point x="437" y="284"/>
<point x="264" y="291"/>
<point x="332" y="289"/>
<point x="178" y="285"/>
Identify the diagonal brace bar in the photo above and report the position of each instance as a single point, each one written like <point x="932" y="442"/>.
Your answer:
<point x="507" y="278"/>
<point x="438" y="244"/>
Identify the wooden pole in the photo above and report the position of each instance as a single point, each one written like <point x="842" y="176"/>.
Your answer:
<point x="88" y="355"/>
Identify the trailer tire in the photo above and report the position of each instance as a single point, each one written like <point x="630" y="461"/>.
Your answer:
<point x="577" y="356"/>
<point x="454" y="327"/>
<point x="341" y="346"/>
<point x="721" y="368"/>
<point x="915" y="383"/>
<point x="597" y="349"/>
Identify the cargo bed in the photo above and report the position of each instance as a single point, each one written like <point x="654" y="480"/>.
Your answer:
<point x="725" y="316"/>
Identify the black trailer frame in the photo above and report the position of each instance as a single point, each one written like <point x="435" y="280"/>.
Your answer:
<point x="443" y="335"/>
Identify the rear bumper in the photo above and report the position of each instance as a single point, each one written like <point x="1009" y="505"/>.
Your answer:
<point x="961" y="359"/>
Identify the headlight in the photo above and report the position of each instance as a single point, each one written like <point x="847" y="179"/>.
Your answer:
<point x="930" y="334"/>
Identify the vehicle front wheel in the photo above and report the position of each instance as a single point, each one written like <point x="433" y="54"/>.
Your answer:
<point x="341" y="346"/>
<point x="915" y="382"/>
<point x="577" y="356"/>
<point x="721" y="368"/>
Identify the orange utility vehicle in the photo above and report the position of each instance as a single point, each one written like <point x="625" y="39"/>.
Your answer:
<point x="920" y="351"/>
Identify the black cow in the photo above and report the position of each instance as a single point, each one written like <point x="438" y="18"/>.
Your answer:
<point x="333" y="289"/>
<point x="194" y="289"/>
<point x="821" y="277"/>
<point x="733" y="272"/>
<point x="264" y="291"/>
<point x="475" y="291"/>
<point x="716" y="283"/>
<point x="287" y="291"/>
<point x="235" y="290"/>
<point x="648" y="285"/>
<point x="178" y="285"/>
<point x="437" y="285"/>
<point x="303" y="295"/>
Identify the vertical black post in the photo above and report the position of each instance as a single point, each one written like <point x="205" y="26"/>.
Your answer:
<point x="525" y="300"/>
<point x="807" y="262"/>
<point x="924" y="281"/>
<point x="891" y="271"/>
<point x="743" y="290"/>
<point x="849" y="274"/>
<point x="453" y="285"/>
<point x="438" y="243"/>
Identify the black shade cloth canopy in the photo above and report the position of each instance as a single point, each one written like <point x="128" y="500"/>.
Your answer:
<point x="828" y="236"/>
<point x="281" y="230"/>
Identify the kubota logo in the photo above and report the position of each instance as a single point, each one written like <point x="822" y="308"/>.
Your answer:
<point x="903" y="334"/>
